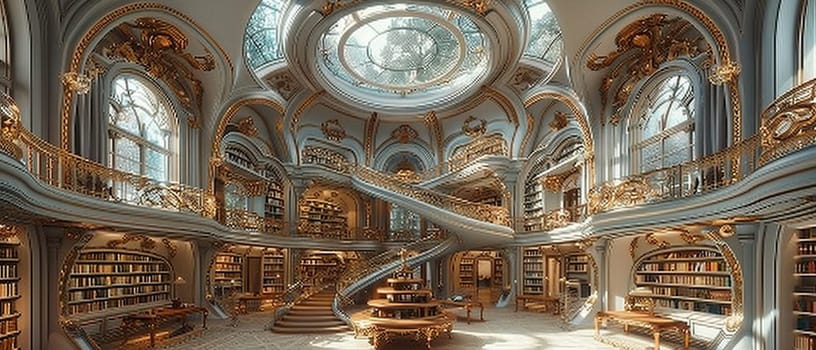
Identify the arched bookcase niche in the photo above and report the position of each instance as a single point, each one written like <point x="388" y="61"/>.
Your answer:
<point x="115" y="280"/>
<point x="689" y="282"/>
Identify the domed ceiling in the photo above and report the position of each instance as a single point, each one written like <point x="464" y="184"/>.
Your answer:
<point x="399" y="58"/>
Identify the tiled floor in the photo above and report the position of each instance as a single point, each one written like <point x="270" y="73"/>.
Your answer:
<point x="503" y="329"/>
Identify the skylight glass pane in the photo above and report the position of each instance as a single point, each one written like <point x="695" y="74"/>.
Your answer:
<point x="261" y="40"/>
<point x="544" y="39"/>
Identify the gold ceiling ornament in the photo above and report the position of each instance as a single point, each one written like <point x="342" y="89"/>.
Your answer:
<point x="726" y="230"/>
<point x="404" y="134"/>
<point x="559" y="121"/>
<point x="660" y="243"/>
<point x="691" y="238"/>
<point x="146" y="243"/>
<point x="629" y="192"/>
<point x="160" y="48"/>
<point x="552" y="183"/>
<point x="725" y="72"/>
<point x="474" y="127"/>
<point x="247" y="127"/>
<point x="525" y="78"/>
<point x="642" y="46"/>
<point x="76" y="82"/>
<point x="332" y="130"/>
<point x="372" y="124"/>
<point x="286" y="84"/>
<point x="407" y="175"/>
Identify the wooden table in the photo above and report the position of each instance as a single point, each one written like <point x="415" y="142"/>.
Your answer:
<point x="468" y="305"/>
<point x="550" y="303"/>
<point x="657" y="324"/>
<point x="155" y="318"/>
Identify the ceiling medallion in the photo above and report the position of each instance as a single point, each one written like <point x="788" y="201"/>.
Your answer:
<point x="404" y="134"/>
<point x="332" y="130"/>
<point x="474" y="127"/>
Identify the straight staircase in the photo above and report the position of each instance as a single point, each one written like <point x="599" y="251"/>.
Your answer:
<point x="312" y="315"/>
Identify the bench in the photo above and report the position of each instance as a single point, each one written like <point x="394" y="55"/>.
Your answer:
<point x="468" y="305"/>
<point x="550" y="303"/>
<point x="656" y="324"/>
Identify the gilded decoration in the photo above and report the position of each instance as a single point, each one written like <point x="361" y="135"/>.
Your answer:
<point x="726" y="230"/>
<point x="629" y="192"/>
<point x="10" y="230"/>
<point x="733" y="322"/>
<point x="146" y="243"/>
<point x="725" y="72"/>
<point x="559" y="121"/>
<point x="65" y="270"/>
<point x="404" y="134"/>
<point x="653" y="240"/>
<point x="525" y="78"/>
<point x="474" y="127"/>
<point x="332" y="130"/>
<point x="76" y="82"/>
<point x="10" y="126"/>
<point x="691" y="238"/>
<point x="247" y="127"/>
<point x="642" y="46"/>
<point x="171" y="248"/>
<point x="552" y="183"/>
<point x="633" y="245"/>
<point x="160" y="48"/>
<point x="285" y="84"/>
<point x="432" y="122"/>
<point x="371" y="126"/>
<point x="326" y="157"/>
<point x="789" y="123"/>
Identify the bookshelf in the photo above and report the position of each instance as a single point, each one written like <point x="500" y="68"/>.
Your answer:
<point x="9" y="293"/>
<point x="804" y="291"/>
<point x="274" y="271"/>
<point x="533" y="206"/>
<point x="576" y="270"/>
<point x="274" y="202"/>
<point x="312" y="265"/>
<point x="690" y="279"/>
<point x="319" y="217"/>
<point x="112" y="279"/>
<point x="227" y="277"/>
<point x="467" y="273"/>
<point x="498" y="271"/>
<point x="532" y="269"/>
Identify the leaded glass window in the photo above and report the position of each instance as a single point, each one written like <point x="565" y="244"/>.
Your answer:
<point x="544" y="40"/>
<point x="262" y="40"/>
<point x="666" y="132"/>
<point x="403" y="220"/>
<point x="140" y="128"/>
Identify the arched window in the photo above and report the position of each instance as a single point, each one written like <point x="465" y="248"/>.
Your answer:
<point x="665" y="129"/>
<point x="544" y="39"/>
<point x="141" y="129"/>
<point x="808" y="40"/>
<point x="403" y="220"/>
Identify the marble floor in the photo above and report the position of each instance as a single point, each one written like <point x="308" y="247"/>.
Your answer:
<point x="502" y="329"/>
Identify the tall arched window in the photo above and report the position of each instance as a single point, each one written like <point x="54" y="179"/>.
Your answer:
<point x="141" y="129"/>
<point x="665" y="129"/>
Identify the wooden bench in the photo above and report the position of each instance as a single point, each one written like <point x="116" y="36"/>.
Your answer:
<point x="656" y="324"/>
<point x="468" y="305"/>
<point x="550" y="303"/>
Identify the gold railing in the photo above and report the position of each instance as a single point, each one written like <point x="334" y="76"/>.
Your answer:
<point x="553" y="219"/>
<point x="789" y="123"/>
<point x="483" y="212"/>
<point x="61" y="169"/>
<point x="687" y="179"/>
<point x="245" y="220"/>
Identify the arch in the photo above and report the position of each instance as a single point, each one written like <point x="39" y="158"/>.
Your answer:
<point x="78" y="60"/>
<point x="394" y="149"/>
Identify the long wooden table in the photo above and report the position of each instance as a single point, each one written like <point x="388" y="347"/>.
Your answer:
<point x="550" y="303"/>
<point x="154" y="319"/>
<point x="468" y="305"/>
<point x="656" y="324"/>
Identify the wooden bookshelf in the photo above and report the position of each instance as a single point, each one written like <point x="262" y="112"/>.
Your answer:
<point x="467" y="273"/>
<point x="227" y="274"/>
<point x="532" y="269"/>
<point x="319" y="217"/>
<point x="498" y="270"/>
<point x="110" y="279"/>
<point x="274" y="205"/>
<point x="274" y="271"/>
<point x="9" y="293"/>
<point x="689" y="278"/>
<point x="533" y="206"/>
<point x="314" y="264"/>
<point x="576" y="269"/>
<point x="804" y="291"/>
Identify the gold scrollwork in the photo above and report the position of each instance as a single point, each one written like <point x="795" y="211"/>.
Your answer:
<point x="474" y="130"/>
<point x="332" y="130"/>
<point x="734" y="321"/>
<point x="247" y="127"/>
<point x="404" y="134"/>
<point x="789" y="123"/>
<point x="559" y="121"/>
<point x="631" y="191"/>
<point x="660" y="243"/>
<point x="655" y="39"/>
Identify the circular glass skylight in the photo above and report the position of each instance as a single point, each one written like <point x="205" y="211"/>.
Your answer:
<point x="407" y="52"/>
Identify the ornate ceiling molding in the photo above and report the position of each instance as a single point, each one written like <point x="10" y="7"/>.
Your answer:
<point x="332" y="130"/>
<point x="285" y="84"/>
<point x="559" y="121"/>
<point x="372" y="124"/>
<point x="642" y="47"/>
<point x="472" y="129"/>
<point x="80" y="55"/>
<point x="404" y="134"/>
<point x="247" y="127"/>
<point x="480" y="7"/>
<point x="432" y="122"/>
